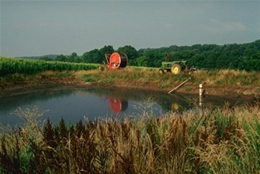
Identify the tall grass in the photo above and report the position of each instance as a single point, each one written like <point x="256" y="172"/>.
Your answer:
<point x="226" y="77"/>
<point x="140" y="77"/>
<point x="143" y="77"/>
<point x="213" y="141"/>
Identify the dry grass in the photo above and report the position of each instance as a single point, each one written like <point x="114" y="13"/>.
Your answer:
<point x="48" y="73"/>
<point x="228" y="77"/>
<point x="146" y="75"/>
<point x="212" y="141"/>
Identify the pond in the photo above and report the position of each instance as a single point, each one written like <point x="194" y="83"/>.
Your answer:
<point x="80" y="103"/>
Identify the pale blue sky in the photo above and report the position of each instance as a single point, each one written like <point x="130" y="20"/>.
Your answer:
<point x="40" y="27"/>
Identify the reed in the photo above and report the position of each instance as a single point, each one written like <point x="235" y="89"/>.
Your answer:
<point x="213" y="141"/>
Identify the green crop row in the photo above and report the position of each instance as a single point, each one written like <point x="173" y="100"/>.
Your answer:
<point x="18" y="65"/>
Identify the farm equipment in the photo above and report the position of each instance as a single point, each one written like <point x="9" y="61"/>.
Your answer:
<point x="116" y="60"/>
<point x="175" y="67"/>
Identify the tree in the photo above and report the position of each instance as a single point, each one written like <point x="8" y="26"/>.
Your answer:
<point x="154" y="58"/>
<point x="61" y="58"/>
<point x="92" y="56"/>
<point x="211" y="58"/>
<point x="141" y="61"/>
<point x="72" y="57"/>
<point x="45" y="58"/>
<point x="197" y="60"/>
<point x="222" y="62"/>
<point x="106" y="50"/>
<point x="131" y="53"/>
<point x="183" y="55"/>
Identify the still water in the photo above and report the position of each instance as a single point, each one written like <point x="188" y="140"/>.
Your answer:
<point x="79" y="103"/>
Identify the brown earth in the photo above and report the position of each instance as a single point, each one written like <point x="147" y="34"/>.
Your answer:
<point x="7" y="89"/>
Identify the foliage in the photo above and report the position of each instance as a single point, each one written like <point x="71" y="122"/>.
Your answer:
<point x="208" y="56"/>
<point x="131" y="53"/>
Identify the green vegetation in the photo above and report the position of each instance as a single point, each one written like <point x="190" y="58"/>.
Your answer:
<point x="9" y="66"/>
<point x="143" y="77"/>
<point x="222" y="140"/>
<point x="19" y="71"/>
<point x="208" y="56"/>
<point x="212" y="141"/>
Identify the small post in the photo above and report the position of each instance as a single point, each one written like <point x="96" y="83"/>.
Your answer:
<point x="200" y="94"/>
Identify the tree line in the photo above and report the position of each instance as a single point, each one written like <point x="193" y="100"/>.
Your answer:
<point x="208" y="56"/>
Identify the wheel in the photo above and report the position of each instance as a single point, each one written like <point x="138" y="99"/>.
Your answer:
<point x="176" y="69"/>
<point x="161" y="71"/>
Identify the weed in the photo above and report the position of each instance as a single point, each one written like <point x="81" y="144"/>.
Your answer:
<point x="164" y="84"/>
<point x="233" y="80"/>
<point x="218" y="82"/>
<point x="89" y="78"/>
<point x="257" y="90"/>
<point x="187" y="89"/>
<point x="111" y="80"/>
<point x="144" y="83"/>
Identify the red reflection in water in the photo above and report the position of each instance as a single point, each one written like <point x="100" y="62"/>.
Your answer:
<point x="118" y="105"/>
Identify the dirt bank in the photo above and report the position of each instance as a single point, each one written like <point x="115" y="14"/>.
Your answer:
<point x="7" y="89"/>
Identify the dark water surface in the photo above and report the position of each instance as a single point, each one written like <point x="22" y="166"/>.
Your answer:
<point x="76" y="104"/>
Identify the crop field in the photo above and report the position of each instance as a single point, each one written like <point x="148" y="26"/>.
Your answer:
<point x="10" y="66"/>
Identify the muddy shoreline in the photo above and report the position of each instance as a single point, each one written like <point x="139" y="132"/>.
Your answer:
<point x="10" y="89"/>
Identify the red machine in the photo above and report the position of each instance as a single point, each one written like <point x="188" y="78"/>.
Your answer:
<point x="116" y="60"/>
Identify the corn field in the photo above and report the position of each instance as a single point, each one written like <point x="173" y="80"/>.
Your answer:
<point x="25" y="66"/>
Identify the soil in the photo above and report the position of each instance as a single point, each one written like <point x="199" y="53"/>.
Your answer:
<point x="8" y="89"/>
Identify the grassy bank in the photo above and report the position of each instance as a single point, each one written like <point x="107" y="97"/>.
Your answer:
<point x="147" y="78"/>
<point x="147" y="75"/>
<point x="213" y="141"/>
<point x="38" y="73"/>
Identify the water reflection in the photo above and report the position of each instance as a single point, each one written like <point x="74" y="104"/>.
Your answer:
<point x="75" y="104"/>
<point x="118" y="105"/>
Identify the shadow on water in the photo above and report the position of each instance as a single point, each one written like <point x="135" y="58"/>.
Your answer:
<point x="79" y="103"/>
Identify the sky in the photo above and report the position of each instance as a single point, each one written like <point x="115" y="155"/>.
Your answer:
<point x="42" y="27"/>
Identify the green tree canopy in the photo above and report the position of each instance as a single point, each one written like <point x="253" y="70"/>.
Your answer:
<point x="208" y="56"/>
<point x="92" y="56"/>
<point x="131" y="53"/>
<point x="61" y="58"/>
